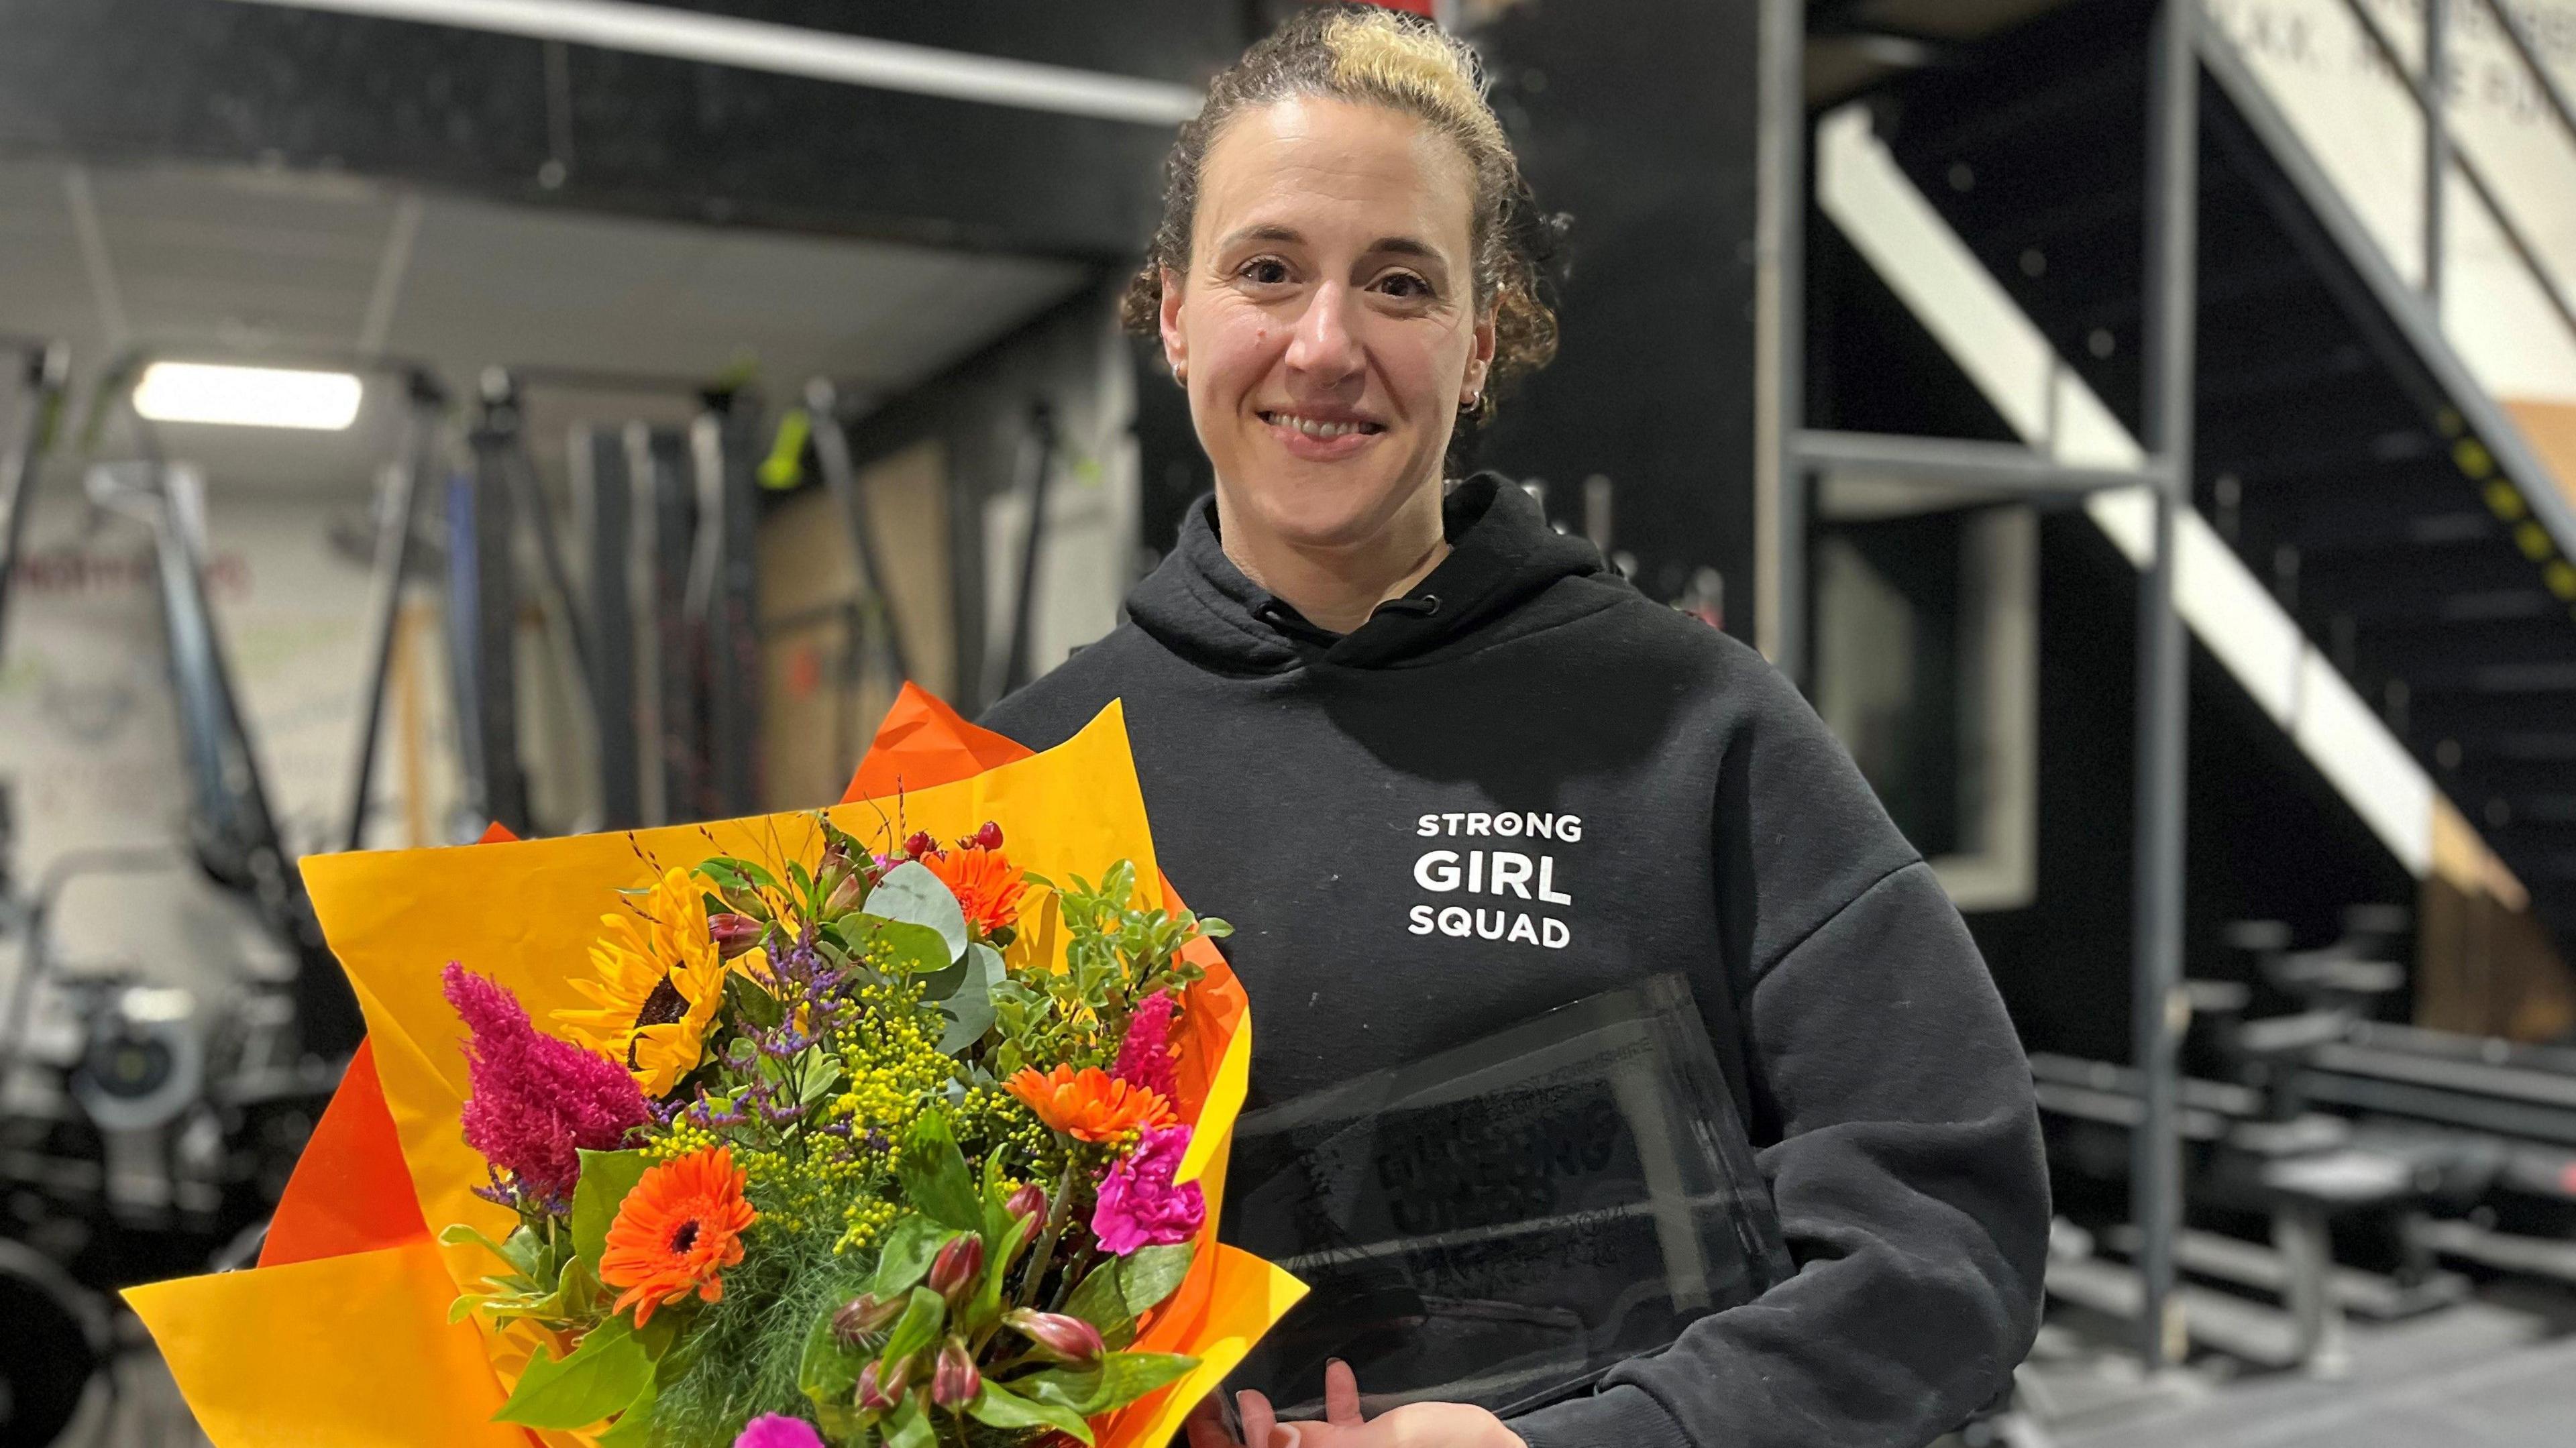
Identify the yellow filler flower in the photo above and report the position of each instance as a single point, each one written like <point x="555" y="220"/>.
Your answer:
<point x="658" y="981"/>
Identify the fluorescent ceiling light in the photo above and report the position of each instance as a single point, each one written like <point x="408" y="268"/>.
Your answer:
<point x="247" y="396"/>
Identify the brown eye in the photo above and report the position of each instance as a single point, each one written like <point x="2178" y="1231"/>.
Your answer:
<point x="1264" y="271"/>
<point x="1405" y="285"/>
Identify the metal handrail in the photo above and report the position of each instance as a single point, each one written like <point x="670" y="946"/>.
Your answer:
<point x="2550" y="90"/>
<point x="2424" y="89"/>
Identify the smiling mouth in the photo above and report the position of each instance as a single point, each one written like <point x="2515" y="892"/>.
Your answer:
<point x="1321" y="427"/>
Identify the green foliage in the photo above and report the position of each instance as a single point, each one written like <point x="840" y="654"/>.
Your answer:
<point x="907" y="1254"/>
<point x="606" y="1178"/>
<point x="1115" y="955"/>
<point x="999" y="1407"/>
<point x="1121" y="1378"/>
<point x="912" y="895"/>
<point x="933" y="1173"/>
<point x="605" y="1373"/>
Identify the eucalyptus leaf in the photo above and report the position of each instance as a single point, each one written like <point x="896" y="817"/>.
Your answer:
<point x="969" y="1006"/>
<point x="912" y="895"/>
<point x="606" y="1178"/>
<point x="906" y="1256"/>
<point x="999" y="1407"/>
<point x="933" y="1174"/>
<point x="603" y="1375"/>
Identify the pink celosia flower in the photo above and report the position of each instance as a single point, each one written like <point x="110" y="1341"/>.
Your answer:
<point x="536" y="1100"/>
<point x="1145" y="1057"/>
<point x="1139" y="1204"/>
<point x="777" y="1430"/>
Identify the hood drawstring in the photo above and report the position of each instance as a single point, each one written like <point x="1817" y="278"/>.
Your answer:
<point x="1420" y="605"/>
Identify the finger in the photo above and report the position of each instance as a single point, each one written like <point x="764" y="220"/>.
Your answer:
<point x="1341" y="1395"/>
<point x="1258" y="1421"/>
<point x="1207" y="1426"/>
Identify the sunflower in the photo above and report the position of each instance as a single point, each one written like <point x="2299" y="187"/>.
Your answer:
<point x="657" y="981"/>
<point x="986" y="884"/>
<point x="680" y="1226"/>
<point x="1090" y="1103"/>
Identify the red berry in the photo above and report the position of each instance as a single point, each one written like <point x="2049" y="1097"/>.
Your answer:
<point x="919" y="844"/>
<point x="989" y="837"/>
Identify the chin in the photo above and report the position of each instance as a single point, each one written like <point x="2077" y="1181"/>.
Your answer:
<point x="1316" y="508"/>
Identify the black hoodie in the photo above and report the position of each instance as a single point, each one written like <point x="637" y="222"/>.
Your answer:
<point x="1667" y="801"/>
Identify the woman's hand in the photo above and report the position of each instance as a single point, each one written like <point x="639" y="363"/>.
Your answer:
<point x="1415" y="1425"/>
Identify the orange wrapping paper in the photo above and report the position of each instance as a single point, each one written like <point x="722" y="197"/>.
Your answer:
<point x="340" y="1336"/>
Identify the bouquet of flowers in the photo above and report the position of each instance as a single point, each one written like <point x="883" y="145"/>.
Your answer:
<point x="865" y="1126"/>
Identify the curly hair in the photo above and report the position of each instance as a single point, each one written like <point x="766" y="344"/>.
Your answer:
<point x="1372" y="56"/>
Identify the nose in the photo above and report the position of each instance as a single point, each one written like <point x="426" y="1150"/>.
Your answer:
<point x="1324" y="352"/>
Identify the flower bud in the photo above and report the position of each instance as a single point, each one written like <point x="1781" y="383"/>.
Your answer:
<point x="881" y="1387"/>
<point x="919" y="844"/>
<point x="845" y="896"/>
<point x="746" y="902"/>
<point x="987" y="838"/>
<point x="957" y="1265"/>
<point x="734" y="934"/>
<point x="954" y="1382"/>
<point x="1068" y="1339"/>
<point x="866" y="1315"/>
<point x="1028" y="1201"/>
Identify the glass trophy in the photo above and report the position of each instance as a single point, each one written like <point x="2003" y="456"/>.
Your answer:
<point x="1501" y="1223"/>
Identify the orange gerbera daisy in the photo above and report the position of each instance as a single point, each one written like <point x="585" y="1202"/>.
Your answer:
<point x="987" y="885"/>
<point x="1091" y="1103"/>
<point x="680" y="1226"/>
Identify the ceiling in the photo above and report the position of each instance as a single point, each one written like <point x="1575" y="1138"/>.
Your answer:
<point x="240" y="264"/>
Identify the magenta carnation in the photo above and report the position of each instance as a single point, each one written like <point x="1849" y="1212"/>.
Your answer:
<point x="1139" y="1204"/>
<point x="537" y="1101"/>
<point x="777" y="1430"/>
<point x="1145" y="1057"/>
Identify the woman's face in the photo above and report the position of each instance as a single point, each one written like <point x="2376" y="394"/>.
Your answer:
<point x="1328" y="330"/>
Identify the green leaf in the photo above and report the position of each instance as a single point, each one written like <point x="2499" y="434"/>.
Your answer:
<point x="1150" y="1274"/>
<point x="999" y="1407"/>
<point x="634" y="1426"/>
<point x="820" y="1074"/>
<point x="985" y="1308"/>
<point x="723" y="872"/>
<point x="909" y="893"/>
<point x="603" y="1375"/>
<point x="751" y="1002"/>
<point x="969" y="1007"/>
<point x="918" y="1328"/>
<point x="906" y="1256"/>
<point x="1097" y="1300"/>
<point x="521" y="1251"/>
<point x="606" y="1178"/>
<point x="828" y="1371"/>
<point x="933" y="1174"/>
<point x="1120" y="1379"/>
<point x="908" y="1427"/>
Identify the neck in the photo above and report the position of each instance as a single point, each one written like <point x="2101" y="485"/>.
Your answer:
<point x="1337" y="586"/>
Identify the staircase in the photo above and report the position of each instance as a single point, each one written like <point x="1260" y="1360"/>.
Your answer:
<point x="2354" y="464"/>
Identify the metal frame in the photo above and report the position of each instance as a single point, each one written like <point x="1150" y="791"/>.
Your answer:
<point x="1789" y="455"/>
<point x="44" y="374"/>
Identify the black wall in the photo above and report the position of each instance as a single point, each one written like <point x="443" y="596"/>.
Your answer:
<point x="1638" y="119"/>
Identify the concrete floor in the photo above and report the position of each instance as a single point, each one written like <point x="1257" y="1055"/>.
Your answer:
<point x="2496" y="1372"/>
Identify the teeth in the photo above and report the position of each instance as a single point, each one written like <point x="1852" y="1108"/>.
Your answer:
<point x="1311" y="427"/>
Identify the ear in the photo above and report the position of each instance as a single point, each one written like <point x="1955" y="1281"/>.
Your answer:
<point x="1176" y="346"/>
<point x="1480" y="362"/>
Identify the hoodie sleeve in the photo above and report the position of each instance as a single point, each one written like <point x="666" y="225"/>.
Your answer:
<point x="1892" y="1108"/>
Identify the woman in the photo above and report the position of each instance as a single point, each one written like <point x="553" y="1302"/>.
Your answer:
<point x="1347" y="667"/>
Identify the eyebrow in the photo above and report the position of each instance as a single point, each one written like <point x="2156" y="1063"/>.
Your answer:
<point x="1399" y="245"/>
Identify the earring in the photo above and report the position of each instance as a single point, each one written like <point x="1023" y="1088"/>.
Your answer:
<point x="1181" y="373"/>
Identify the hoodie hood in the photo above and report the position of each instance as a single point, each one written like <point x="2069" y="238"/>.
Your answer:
<point x="1499" y="581"/>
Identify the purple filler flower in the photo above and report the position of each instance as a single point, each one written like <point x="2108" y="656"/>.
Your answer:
<point x="777" y="1430"/>
<point x="536" y="1101"/>
<point x="1139" y="1204"/>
